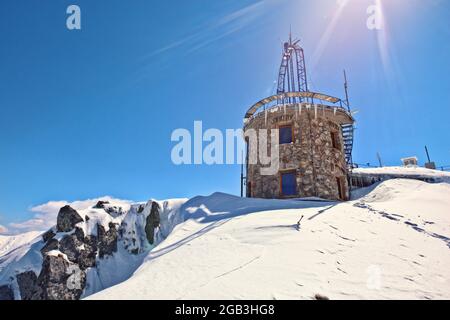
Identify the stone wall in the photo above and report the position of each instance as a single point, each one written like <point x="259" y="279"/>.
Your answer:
<point x="311" y="155"/>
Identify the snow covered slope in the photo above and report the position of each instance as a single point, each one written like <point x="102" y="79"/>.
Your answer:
<point x="15" y="246"/>
<point x="393" y="242"/>
<point x="89" y="249"/>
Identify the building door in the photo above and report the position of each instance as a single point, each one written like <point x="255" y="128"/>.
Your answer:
<point x="340" y="184"/>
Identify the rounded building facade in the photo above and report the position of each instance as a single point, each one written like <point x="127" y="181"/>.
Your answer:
<point x="311" y="151"/>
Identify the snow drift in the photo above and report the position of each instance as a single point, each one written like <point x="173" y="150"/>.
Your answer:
<point x="390" y="243"/>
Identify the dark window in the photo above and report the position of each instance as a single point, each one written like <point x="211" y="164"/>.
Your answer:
<point x="288" y="184"/>
<point x="285" y="134"/>
<point x="335" y="140"/>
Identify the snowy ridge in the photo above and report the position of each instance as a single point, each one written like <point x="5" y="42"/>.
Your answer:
<point x="15" y="246"/>
<point x="392" y="242"/>
<point x="123" y="255"/>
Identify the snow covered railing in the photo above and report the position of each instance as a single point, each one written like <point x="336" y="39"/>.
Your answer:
<point x="363" y="177"/>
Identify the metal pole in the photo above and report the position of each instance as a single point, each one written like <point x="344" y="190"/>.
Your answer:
<point x="346" y="91"/>
<point x="379" y="160"/>
<point x="242" y="175"/>
<point x="428" y="155"/>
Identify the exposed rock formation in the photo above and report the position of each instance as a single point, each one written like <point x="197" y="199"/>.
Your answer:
<point x="100" y="204"/>
<point x="28" y="286"/>
<point x="60" y="279"/>
<point x="152" y="222"/>
<point x="67" y="219"/>
<point x="6" y="293"/>
<point x="107" y="240"/>
<point x="52" y="244"/>
<point x="75" y="245"/>
<point x="48" y="235"/>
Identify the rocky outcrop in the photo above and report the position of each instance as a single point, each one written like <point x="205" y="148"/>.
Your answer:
<point x="28" y="286"/>
<point x="100" y="204"/>
<point x="6" y="293"/>
<point x="75" y="245"/>
<point x="52" y="244"/>
<point x="113" y="211"/>
<point x="67" y="219"/>
<point x="60" y="279"/>
<point x="107" y="240"/>
<point x="152" y="222"/>
<point x="79" y="249"/>
<point x="48" y="235"/>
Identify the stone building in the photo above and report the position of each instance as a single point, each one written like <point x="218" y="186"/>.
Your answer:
<point x="315" y="140"/>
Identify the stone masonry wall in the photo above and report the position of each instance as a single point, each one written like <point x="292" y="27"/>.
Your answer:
<point x="311" y="155"/>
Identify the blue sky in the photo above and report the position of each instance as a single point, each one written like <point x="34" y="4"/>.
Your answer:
<point x="87" y="113"/>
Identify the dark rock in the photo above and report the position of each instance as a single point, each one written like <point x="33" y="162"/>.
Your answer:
<point x="319" y="296"/>
<point x="48" y="235"/>
<point x="140" y="209"/>
<point x="88" y="256"/>
<point x="71" y="246"/>
<point x="6" y="293"/>
<point x="80" y="249"/>
<point x="86" y="218"/>
<point x="61" y="279"/>
<point x="28" y="286"/>
<point x="114" y="211"/>
<point x="79" y="233"/>
<point x="100" y="204"/>
<point x="152" y="222"/>
<point x="107" y="240"/>
<point x="67" y="219"/>
<point x="51" y="244"/>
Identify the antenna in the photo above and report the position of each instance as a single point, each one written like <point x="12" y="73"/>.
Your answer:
<point x="292" y="74"/>
<point x="379" y="159"/>
<point x="346" y="92"/>
<point x="428" y="155"/>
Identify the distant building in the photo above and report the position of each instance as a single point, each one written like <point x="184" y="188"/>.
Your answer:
<point x="315" y="136"/>
<point x="410" y="161"/>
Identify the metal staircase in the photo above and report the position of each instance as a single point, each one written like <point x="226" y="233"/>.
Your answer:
<point x="347" y="134"/>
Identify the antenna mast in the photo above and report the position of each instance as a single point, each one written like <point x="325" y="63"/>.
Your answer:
<point x="292" y="74"/>
<point x="346" y="92"/>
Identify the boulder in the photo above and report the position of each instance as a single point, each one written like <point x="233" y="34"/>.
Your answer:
<point x="67" y="219"/>
<point x="28" y="286"/>
<point x="6" y="293"/>
<point x="51" y="244"/>
<point x="60" y="279"/>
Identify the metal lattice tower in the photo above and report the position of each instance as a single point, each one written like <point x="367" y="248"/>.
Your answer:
<point x="292" y="74"/>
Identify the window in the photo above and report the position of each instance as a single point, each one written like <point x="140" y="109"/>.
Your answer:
<point x="335" y="140"/>
<point x="288" y="183"/>
<point x="285" y="134"/>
